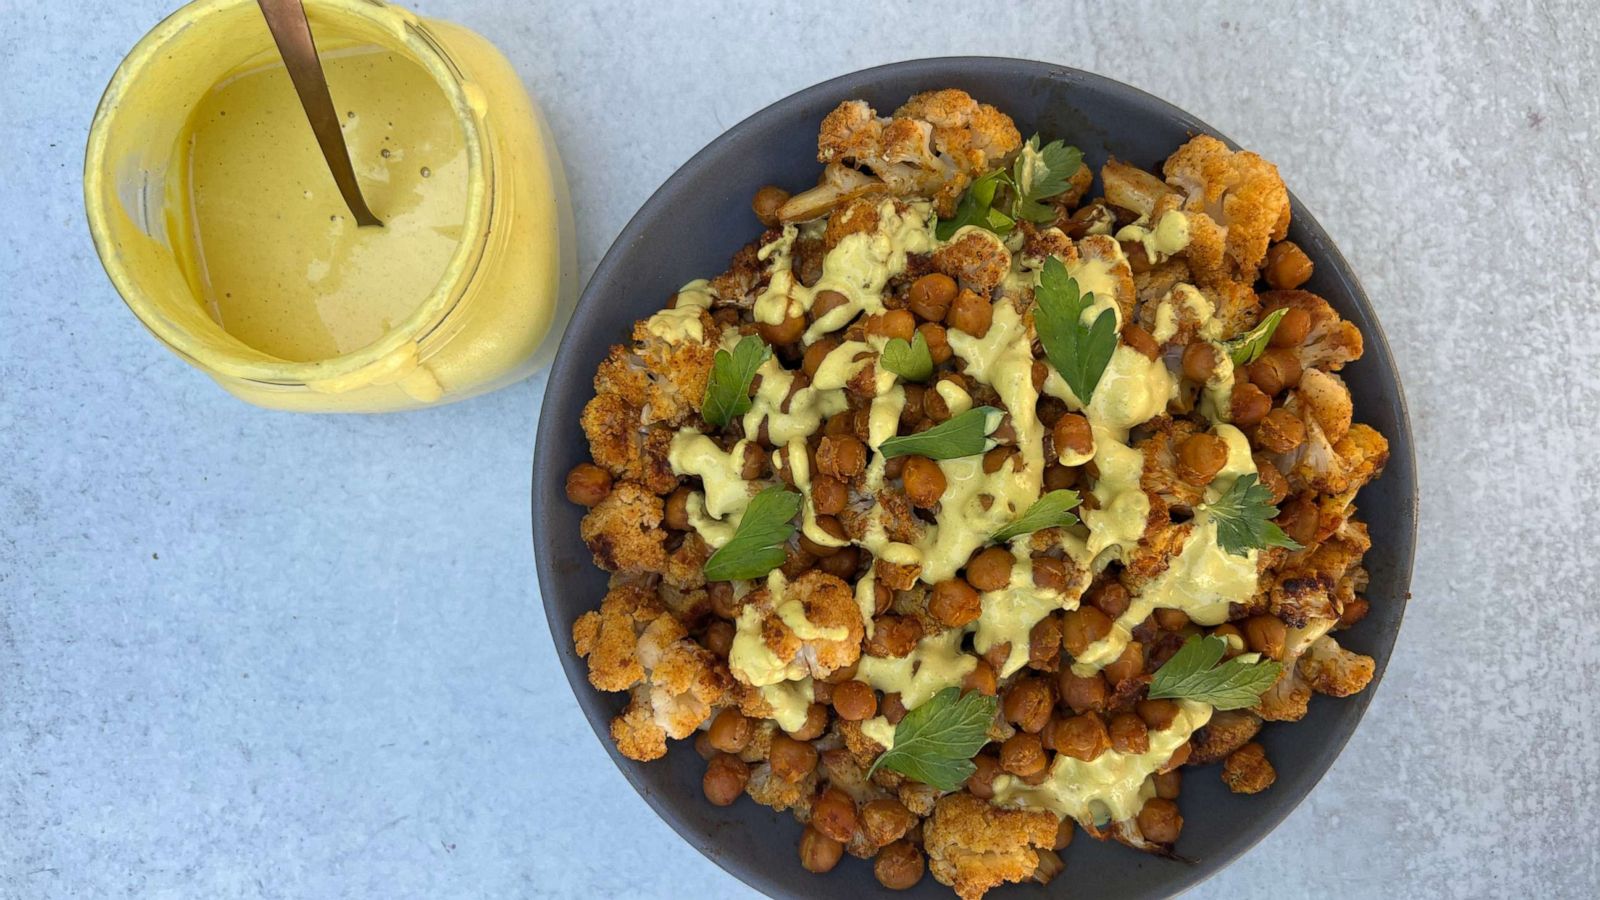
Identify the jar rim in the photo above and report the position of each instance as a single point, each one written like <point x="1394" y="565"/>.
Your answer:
<point x="371" y="361"/>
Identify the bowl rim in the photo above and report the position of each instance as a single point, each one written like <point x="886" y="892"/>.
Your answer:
<point x="1401" y="443"/>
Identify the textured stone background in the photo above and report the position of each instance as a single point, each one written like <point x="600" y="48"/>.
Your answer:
<point x="258" y="655"/>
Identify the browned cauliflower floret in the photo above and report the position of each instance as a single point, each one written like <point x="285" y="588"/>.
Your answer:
<point x="612" y="426"/>
<point x="635" y="731"/>
<point x="1131" y="187"/>
<point x="1236" y="191"/>
<point x="767" y="788"/>
<point x="812" y="629"/>
<point x="1297" y="597"/>
<point x="624" y="376"/>
<point x="1161" y="476"/>
<point x="609" y="637"/>
<point x="973" y="846"/>
<point x="1341" y="467"/>
<point x="976" y="258"/>
<point x="679" y="367"/>
<point x="1331" y="342"/>
<point x="686" y="565"/>
<point x="1330" y="669"/>
<point x="624" y="531"/>
<point x="1226" y="732"/>
<point x="1287" y="700"/>
<point x="856" y="217"/>
<point x="1234" y="305"/>
<point x="1247" y="770"/>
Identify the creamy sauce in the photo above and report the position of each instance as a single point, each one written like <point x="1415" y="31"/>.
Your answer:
<point x="1170" y="308"/>
<point x="879" y="729"/>
<point x="1010" y="613"/>
<point x="790" y="701"/>
<point x="681" y="324"/>
<point x="935" y="664"/>
<point x="1170" y="235"/>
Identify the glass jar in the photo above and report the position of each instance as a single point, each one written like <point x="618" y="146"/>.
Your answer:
<point x="506" y="293"/>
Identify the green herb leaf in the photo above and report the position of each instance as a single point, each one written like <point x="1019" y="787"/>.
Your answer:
<point x="1243" y="516"/>
<point x="1248" y="347"/>
<point x="935" y="742"/>
<point x="976" y="208"/>
<point x="1079" y="352"/>
<point x="757" y="544"/>
<point x="911" y="361"/>
<point x="1050" y="511"/>
<point x="1040" y="173"/>
<point x="728" y="388"/>
<point x="1189" y="675"/>
<point x="959" y="436"/>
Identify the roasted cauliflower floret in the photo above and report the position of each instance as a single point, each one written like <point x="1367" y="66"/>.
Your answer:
<point x="624" y="531"/>
<point x="678" y="369"/>
<point x="812" y="629"/>
<point x="1287" y="700"/>
<point x="973" y="846"/>
<point x="975" y="258"/>
<point x="1322" y="399"/>
<point x="609" y="637"/>
<point x="1331" y="342"/>
<point x="1341" y="467"/>
<point x="1226" y="732"/>
<point x="1238" y="192"/>
<point x="1247" y="770"/>
<point x="1131" y="187"/>
<point x="1330" y="669"/>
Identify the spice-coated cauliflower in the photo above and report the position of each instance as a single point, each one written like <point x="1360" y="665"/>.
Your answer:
<point x="1236" y="203"/>
<point x="1331" y="342"/>
<point x="974" y="846"/>
<point x="1226" y="732"/>
<point x="1330" y="669"/>
<point x="975" y="258"/>
<point x="825" y="604"/>
<point x="624" y="530"/>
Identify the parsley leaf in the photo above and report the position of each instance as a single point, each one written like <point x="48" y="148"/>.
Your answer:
<point x="1050" y="511"/>
<point x="1248" y="347"/>
<point x="1243" y="516"/>
<point x="1189" y="675"/>
<point x="935" y="742"/>
<point x="1039" y="174"/>
<point x="958" y="436"/>
<point x="1079" y="352"/>
<point x="976" y="207"/>
<point x="728" y="388"/>
<point x="911" y="361"/>
<point x="757" y="544"/>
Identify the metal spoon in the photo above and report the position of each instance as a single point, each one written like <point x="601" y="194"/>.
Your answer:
<point x="286" y="19"/>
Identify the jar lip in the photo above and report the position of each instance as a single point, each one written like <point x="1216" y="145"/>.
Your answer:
<point x="408" y="32"/>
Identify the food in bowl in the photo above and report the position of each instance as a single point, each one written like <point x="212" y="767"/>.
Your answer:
<point x="964" y="510"/>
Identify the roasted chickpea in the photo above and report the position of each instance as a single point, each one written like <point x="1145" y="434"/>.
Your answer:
<point x="818" y="852"/>
<point x="1298" y="519"/>
<point x="996" y="458"/>
<point x="1159" y="821"/>
<point x="1082" y="694"/>
<point x="1275" y="370"/>
<point x="895" y="323"/>
<point x="1228" y="631"/>
<point x="893" y="636"/>
<point x="931" y="295"/>
<point x="1171" y="619"/>
<point x="1136" y="337"/>
<point x="1027" y="704"/>
<point x="826" y="302"/>
<point x="815" y="724"/>
<point x="1266" y="635"/>
<point x="981" y="679"/>
<point x="899" y="866"/>
<point x="1082" y="627"/>
<point x="885" y="820"/>
<point x="1293" y="328"/>
<point x="754" y="464"/>
<point x="829" y="495"/>
<point x="882" y="598"/>
<point x="834" y="814"/>
<point x="790" y="759"/>
<point x="990" y="570"/>
<point x="1059" y="478"/>
<point x="1200" y="457"/>
<point x="1129" y="734"/>
<point x="970" y="313"/>
<point x="1044" y="644"/>
<point x="786" y="332"/>
<point x="1073" y="439"/>
<point x="1168" y="784"/>
<point x="821" y="692"/>
<point x="1288" y="266"/>
<point x="767" y="202"/>
<point x="702" y="745"/>
<point x="955" y="603"/>
<point x="841" y="563"/>
<point x="1111" y="598"/>
<point x="816" y="353"/>
<point x="1050" y="573"/>
<point x="1178" y="757"/>
<point x="1280" y="432"/>
<point x="720" y="593"/>
<point x="1082" y="737"/>
<point x="725" y="778"/>
<point x="938" y="341"/>
<point x="831" y="526"/>
<point x="855" y="700"/>
<point x="911" y="413"/>
<point x="981" y="781"/>
<point x="842" y="456"/>
<point x="1269" y="476"/>
<point x="588" y="484"/>
<point x="719" y="638"/>
<point x="1200" y="360"/>
<point x="675" y="512"/>
<point x="1248" y="405"/>
<point x="895" y="468"/>
<point x="730" y="731"/>
<point x="1158" y="715"/>
<point x="924" y="481"/>
<point x="1127" y="666"/>
<point x="1022" y="754"/>
<point x="892" y="708"/>
<point x="1064" y="834"/>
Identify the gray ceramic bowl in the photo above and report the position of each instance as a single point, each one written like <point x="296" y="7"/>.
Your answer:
<point x="690" y="229"/>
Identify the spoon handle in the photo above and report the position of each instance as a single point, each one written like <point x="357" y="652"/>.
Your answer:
<point x="286" y="19"/>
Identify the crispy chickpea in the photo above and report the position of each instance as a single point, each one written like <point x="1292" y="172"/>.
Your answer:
<point x="720" y="593"/>
<point x="725" y="778"/>
<point x="818" y="852"/>
<point x="1082" y="737"/>
<point x="1355" y="609"/>
<point x="834" y="814"/>
<point x="1039" y="373"/>
<point x="1022" y="754"/>
<point x="882" y="598"/>
<point x="899" y="866"/>
<point x="1158" y="715"/>
<point x="1059" y="478"/>
<point x="754" y="464"/>
<point x="1200" y="457"/>
<point x="1082" y="694"/>
<point x="842" y="456"/>
<point x="1275" y="370"/>
<point x="911" y="413"/>
<point x="1298" y="519"/>
<point x="826" y="302"/>
<point x="841" y="563"/>
<point x="1200" y="359"/>
<point x="1269" y="476"/>
<point x="1280" y="432"/>
<point x="895" y="467"/>
<point x="1136" y="337"/>
<point x="1044" y="644"/>
<point x="892" y="708"/>
<point x="1064" y="834"/>
<point x="1072" y="437"/>
<point x="1228" y="631"/>
<point x="1288" y="266"/>
<point x="719" y="638"/>
<point x="1266" y="635"/>
<point x="981" y="781"/>
<point x="1171" y="619"/>
<point x="895" y="323"/>
<point x="931" y="295"/>
<point x="829" y="495"/>
<point x="1127" y="666"/>
<point x="588" y="484"/>
<point x="997" y="457"/>
<point x="1049" y="573"/>
<point x="1168" y="784"/>
<point x="1159" y="821"/>
<point x="675" y="512"/>
<point x="786" y="332"/>
<point x="831" y="526"/>
<point x="990" y="570"/>
<point x="1082" y="627"/>
<point x="938" y="341"/>
<point x="815" y="724"/>
<point x="893" y="636"/>
<point x="954" y="602"/>
<point x="855" y="700"/>
<point x="1129" y="733"/>
<point x="1248" y="404"/>
<point x="1178" y="757"/>
<point x="702" y="745"/>
<point x="816" y="353"/>
<point x="885" y="820"/>
<point x="790" y="759"/>
<point x="970" y="313"/>
<point x="796" y="561"/>
<point x="924" y="481"/>
<point x="821" y="692"/>
<point x="1293" y="328"/>
<point x="1111" y="598"/>
<point x="730" y="731"/>
<point x="981" y="679"/>
<point x="1027" y="704"/>
<point x="767" y="202"/>
<point x="1247" y="770"/>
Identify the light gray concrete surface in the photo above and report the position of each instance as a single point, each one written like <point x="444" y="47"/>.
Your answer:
<point x="246" y="654"/>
